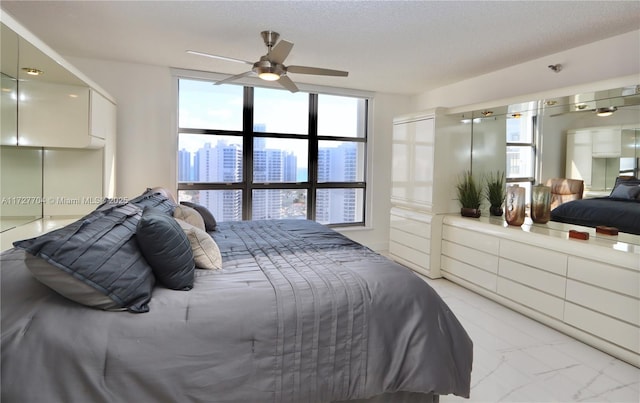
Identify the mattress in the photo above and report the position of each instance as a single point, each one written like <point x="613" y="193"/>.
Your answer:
<point x="298" y="313"/>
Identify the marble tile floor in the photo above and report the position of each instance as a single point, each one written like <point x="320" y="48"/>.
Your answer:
<point x="517" y="359"/>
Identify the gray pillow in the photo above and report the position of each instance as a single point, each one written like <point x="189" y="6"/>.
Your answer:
<point x="624" y="191"/>
<point x="167" y="249"/>
<point x="100" y="251"/>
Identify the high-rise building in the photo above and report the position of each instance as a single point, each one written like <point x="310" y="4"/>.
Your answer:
<point x="336" y="164"/>
<point x="185" y="168"/>
<point x="222" y="163"/>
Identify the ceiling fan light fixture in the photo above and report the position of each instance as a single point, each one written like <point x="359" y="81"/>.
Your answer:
<point x="267" y="70"/>
<point x="269" y="76"/>
<point x="608" y="111"/>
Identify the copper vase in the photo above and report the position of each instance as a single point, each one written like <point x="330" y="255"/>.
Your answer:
<point x="515" y="204"/>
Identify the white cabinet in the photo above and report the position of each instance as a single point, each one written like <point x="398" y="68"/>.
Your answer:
<point x="419" y="193"/>
<point x="61" y="115"/>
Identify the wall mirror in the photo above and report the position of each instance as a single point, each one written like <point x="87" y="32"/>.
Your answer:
<point x="590" y="136"/>
<point x="26" y="72"/>
<point x="534" y="137"/>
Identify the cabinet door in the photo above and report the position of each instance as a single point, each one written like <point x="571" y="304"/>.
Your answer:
<point x="9" y="107"/>
<point x="606" y="142"/>
<point x="53" y="115"/>
<point x="103" y="114"/>
<point x="412" y="166"/>
<point x="579" y="155"/>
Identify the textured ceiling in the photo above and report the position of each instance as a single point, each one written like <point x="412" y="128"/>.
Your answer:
<point x="388" y="46"/>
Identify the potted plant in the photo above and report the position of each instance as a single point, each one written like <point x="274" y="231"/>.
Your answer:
<point x="469" y="195"/>
<point x="495" y="192"/>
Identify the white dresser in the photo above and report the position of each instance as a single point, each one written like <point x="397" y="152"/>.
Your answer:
<point x="587" y="289"/>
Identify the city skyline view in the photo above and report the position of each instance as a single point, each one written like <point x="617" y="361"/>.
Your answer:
<point x="222" y="163"/>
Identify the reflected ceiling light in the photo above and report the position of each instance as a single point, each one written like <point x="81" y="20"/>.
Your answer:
<point x="606" y="111"/>
<point x="516" y="115"/>
<point x="32" y="71"/>
<point x="486" y="113"/>
<point x="550" y="102"/>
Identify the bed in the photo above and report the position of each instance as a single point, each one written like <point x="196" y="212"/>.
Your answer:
<point x="297" y="313"/>
<point x="621" y="209"/>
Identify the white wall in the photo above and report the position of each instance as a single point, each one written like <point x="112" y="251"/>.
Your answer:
<point x="146" y="143"/>
<point x="146" y="122"/>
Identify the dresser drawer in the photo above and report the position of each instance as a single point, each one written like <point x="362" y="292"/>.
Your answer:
<point x="540" y="258"/>
<point x="531" y="298"/>
<point x="603" y="275"/>
<point x="603" y="326"/>
<point x="604" y="301"/>
<point x="469" y="273"/>
<point x="471" y="239"/>
<point x="532" y="277"/>
<point x="473" y="257"/>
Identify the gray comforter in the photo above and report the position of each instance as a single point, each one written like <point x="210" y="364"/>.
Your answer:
<point x="299" y="313"/>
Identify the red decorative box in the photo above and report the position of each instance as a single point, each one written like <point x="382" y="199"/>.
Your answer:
<point x="578" y="234"/>
<point x="603" y="229"/>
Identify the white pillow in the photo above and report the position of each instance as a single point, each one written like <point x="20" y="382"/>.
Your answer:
<point x="206" y="253"/>
<point x="189" y="215"/>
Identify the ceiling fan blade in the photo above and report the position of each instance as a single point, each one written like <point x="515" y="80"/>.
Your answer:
<point x="287" y="83"/>
<point x="317" y="71"/>
<point x="229" y="59"/>
<point x="233" y="78"/>
<point x="280" y="51"/>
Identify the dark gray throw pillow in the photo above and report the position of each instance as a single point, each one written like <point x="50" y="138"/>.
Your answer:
<point x="210" y="223"/>
<point x="625" y="191"/>
<point x="165" y="246"/>
<point x="100" y="251"/>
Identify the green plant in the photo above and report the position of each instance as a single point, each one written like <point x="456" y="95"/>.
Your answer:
<point x="495" y="191"/>
<point x="469" y="192"/>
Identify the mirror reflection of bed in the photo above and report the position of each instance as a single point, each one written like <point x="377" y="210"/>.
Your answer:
<point x="619" y="210"/>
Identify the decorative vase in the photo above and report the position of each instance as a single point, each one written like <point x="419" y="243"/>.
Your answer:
<point x="496" y="211"/>
<point x="515" y="204"/>
<point x="470" y="212"/>
<point x="541" y="204"/>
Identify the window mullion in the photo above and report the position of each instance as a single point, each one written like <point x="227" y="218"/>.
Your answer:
<point x="313" y="156"/>
<point x="247" y="153"/>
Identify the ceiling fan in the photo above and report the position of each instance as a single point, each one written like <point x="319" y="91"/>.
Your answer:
<point x="270" y="67"/>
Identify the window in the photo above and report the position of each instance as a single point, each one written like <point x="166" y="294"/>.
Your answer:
<point x="250" y="153"/>
<point x="521" y="150"/>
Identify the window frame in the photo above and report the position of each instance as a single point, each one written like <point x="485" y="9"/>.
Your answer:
<point x="532" y="145"/>
<point x="248" y="136"/>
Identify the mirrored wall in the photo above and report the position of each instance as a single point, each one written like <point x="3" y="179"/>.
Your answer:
<point x="589" y="136"/>
<point x="23" y="65"/>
